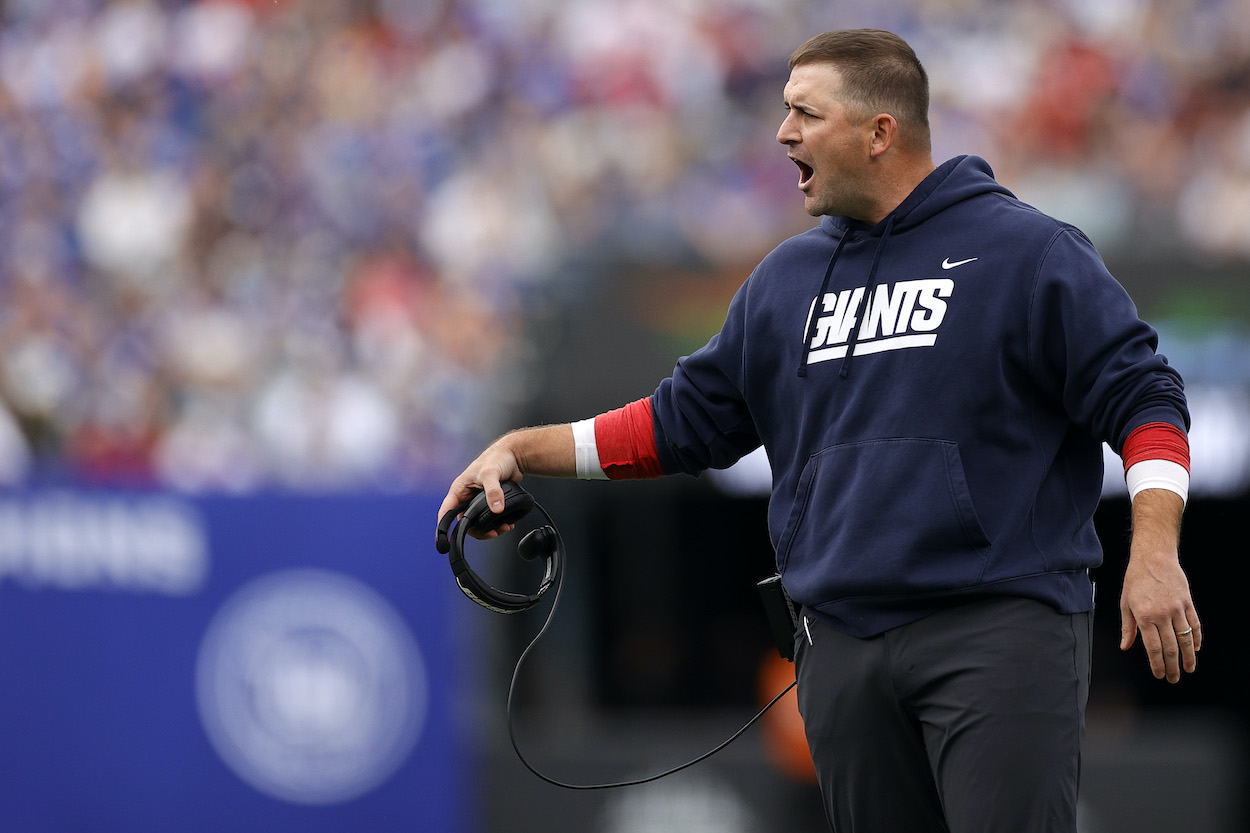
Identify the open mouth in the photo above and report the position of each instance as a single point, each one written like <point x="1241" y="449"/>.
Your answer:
<point x="805" y="171"/>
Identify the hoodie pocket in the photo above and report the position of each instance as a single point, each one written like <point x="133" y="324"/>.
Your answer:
<point x="882" y="517"/>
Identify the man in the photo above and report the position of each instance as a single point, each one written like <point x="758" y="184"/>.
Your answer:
<point x="932" y="371"/>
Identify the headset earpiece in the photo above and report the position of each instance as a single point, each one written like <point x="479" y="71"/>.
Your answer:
<point x="537" y="543"/>
<point x="517" y="503"/>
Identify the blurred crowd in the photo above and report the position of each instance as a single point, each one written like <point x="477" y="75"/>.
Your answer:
<point x="299" y="243"/>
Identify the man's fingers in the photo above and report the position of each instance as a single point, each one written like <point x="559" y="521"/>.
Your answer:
<point x="502" y="529"/>
<point x="1193" y="625"/>
<point x="1171" y="652"/>
<point x="461" y="491"/>
<point x="1179" y="640"/>
<point x="1170" y="648"/>
<point x="494" y="492"/>
<point x="1153" y="643"/>
<point x="1189" y="641"/>
<point x="468" y="485"/>
<point x="1128" y="630"/>
<point x="449" y="503"/>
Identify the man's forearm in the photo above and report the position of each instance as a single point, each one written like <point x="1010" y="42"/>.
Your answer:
<point x="546" y="450"/>
<point x="1156" y="522"/>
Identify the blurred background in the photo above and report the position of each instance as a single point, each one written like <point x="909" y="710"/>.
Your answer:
<point x="271" y="273"/>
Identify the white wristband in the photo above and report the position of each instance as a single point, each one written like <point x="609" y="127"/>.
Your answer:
<point x="1157" y="474"/>
<point x="587" y="451"/>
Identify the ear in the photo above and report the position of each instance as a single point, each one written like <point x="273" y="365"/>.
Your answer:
<point x="884" y="134"/>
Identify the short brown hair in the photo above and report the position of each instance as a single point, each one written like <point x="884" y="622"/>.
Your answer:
<point x="880" y="73"/>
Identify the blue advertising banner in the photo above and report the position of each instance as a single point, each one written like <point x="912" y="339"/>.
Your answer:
<point x="243" y="664"/>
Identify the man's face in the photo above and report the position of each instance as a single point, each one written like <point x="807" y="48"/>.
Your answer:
<point x="828" y="141"/>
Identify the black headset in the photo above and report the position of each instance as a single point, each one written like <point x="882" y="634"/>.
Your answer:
<point x="542" y="542"/>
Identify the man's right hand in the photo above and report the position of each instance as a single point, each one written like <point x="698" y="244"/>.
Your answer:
<point x="491" y="467"/>
<point x="546" y="450"/>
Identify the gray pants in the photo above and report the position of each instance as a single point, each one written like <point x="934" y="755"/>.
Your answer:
<point x="967" y="721"/>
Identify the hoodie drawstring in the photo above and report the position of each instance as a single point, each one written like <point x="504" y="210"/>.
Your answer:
<point x="820" y="298"/>
<point x="865" y="303"/>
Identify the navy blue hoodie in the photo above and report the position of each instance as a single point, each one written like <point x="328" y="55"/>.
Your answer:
<point x="932" y="393"/>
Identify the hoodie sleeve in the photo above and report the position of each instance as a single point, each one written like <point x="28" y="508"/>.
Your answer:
<point x="1091" y="351"/>
<point x="700" y="412"/>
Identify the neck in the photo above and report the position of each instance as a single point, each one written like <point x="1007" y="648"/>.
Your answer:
<point x="897" y="184"/>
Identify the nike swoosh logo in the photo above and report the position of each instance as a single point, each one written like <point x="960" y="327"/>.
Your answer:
<point x="946" y="264"/>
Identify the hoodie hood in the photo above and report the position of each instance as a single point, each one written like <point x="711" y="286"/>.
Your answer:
<point x="950" y="183"/>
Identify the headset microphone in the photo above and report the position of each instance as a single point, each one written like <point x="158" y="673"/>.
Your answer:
<point x="542" y="542"/>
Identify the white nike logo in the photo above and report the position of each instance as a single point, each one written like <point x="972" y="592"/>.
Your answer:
<point x="946" y="264"/>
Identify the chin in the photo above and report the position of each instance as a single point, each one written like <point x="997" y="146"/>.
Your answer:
<point x="815" y="207"/>
<point x="817" y="202"/>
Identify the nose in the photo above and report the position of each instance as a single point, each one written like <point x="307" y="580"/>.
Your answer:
<point x="788" y="134"/>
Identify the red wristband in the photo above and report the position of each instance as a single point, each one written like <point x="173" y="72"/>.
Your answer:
<point x="625" y="439"/>
<point x="1156" y="441"/>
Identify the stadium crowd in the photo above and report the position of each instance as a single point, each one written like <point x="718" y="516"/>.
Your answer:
<point x="296" y="243"/>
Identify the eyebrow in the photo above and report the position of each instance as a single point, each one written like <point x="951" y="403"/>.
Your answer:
<point x="796" y="98"/>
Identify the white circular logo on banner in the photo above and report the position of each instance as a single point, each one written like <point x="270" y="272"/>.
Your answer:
<point x="310" y="686"/>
